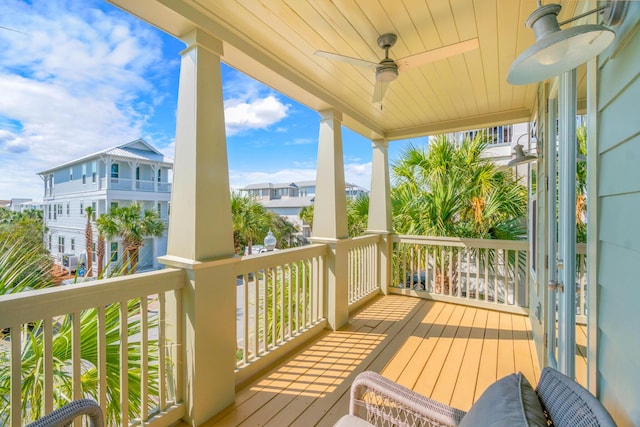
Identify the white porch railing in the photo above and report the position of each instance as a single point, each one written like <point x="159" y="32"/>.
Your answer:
<point x="112" y="340"/>
<point x="480" y="272"/>
<point x="280" y="296"/>
<point x="281" y="300"/>
<point x="164" y="187"/>
<point x="142" y="185"/>
<point x="362" y="267"/>
<point x="119" y="184"/>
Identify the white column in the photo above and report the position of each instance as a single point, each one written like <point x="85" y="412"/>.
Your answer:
<point x="107" y="173"/>
<point x="154" y="177"/>
<point x="567" y="100"/>
<point x="380" y="199"/>
<point x="380" y="209"/>
<point x="134" y="179"/>
<point x="330" y="216"/>
<point x="330" y="209"/>
<point x="200" y="232"/>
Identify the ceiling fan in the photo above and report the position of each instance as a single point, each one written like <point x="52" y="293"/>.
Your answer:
<point x="387" y="69"/>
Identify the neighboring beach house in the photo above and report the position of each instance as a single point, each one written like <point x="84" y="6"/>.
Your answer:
<point x="288" y="199"/>
<point x="117" y="176"/>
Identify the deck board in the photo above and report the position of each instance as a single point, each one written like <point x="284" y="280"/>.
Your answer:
<point x="464" y="392"/>
<point x="449" y="352"/>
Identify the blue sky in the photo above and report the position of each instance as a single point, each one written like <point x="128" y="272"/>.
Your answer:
<point x="78" y="76"/>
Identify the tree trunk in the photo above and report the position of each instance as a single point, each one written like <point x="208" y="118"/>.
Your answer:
<point x="442" y="282"/>
<point x="133" y="258"/>
<point x="100" y="251"/>
<point x="88" y="237"/>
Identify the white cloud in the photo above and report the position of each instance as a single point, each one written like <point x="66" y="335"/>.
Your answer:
<point x="301" y="141"/>
<point x="74" y="81"/>
<point x="257" y="113"/>
<point x="358" y="173"/>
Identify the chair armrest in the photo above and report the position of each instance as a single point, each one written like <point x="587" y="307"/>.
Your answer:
<point x="66" y="414"/>
<point x="383" y="402"/>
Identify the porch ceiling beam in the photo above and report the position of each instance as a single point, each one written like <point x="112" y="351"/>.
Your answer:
<point x="501" y="118"/>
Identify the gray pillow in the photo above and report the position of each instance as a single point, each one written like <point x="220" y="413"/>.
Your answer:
<point x="509" y="402"/>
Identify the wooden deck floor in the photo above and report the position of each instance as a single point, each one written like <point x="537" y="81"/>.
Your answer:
<point x="448" y="352"/>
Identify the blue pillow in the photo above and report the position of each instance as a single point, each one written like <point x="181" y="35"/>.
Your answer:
<point x="509" y="402"/>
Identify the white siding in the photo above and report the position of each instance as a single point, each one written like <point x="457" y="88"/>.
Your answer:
<point x="619" y="230"/>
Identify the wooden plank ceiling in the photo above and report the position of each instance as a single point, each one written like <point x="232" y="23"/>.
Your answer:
<point x="274" y="41"/>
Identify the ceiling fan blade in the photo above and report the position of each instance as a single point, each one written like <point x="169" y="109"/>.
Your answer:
<point x="379" y="90"/>
<point x="347" y="59"/>
<point x="437" y="54"/>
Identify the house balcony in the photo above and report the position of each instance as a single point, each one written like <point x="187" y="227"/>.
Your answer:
<point x="443" y="316"/>
<point x="135" y="184"/>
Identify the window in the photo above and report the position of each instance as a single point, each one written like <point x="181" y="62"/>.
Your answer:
<point x="93" y="205"/>
<point x="68" y="208"/>
<point x="114" y="205"/>
<point x="73" y="244"/>
<point x="81" y="208"/>
<point x="49" y="209"/>
<point x="60" y="244"/>
<point x="55" y="212"/>
<point x="70" y="174"/>
<point x="159" y="175"/>
<point x="160" y="209"/>
<point x="114" y="251"/>
<point x="50" y="242"/>
<point x="60" y="209"/>
<point x="138" y="173"/>
<point x="93" y="172"/>
<point x="94" y="254"/>
<point x="84" y="174"/>
<point x="115" y="170"/>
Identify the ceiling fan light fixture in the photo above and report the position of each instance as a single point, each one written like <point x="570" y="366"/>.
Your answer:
<point x="556" y="51"/>
<point x="387" y="72"/>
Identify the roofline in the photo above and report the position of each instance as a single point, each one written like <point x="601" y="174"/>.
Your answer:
<point x="99" y="154"/>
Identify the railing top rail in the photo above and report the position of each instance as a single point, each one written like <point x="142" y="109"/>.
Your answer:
<point x="24" y="307"/>
<point x="463" y="242"/>
<point x="253" y="263"/>
<point x="359" y="241"/>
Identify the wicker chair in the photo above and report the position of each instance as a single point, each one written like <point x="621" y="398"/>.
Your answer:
<point x="378" y="401"/>
<point x="65" y="415"/>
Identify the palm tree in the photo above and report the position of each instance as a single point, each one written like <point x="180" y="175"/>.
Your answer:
<point x="451" y="190"/>
<point x="132" y="225"/>
<point x="100" y="251"/>
<point x="283" y="230"/>
<point x="88" y="238"/>
<point x="251" y="221"/>
<point x="24" y="261"/>
<point x="32" y="364"/>
<point x="306" y="215"/>
<point x="23" y="267"/>
<point x="357" y="214"/>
